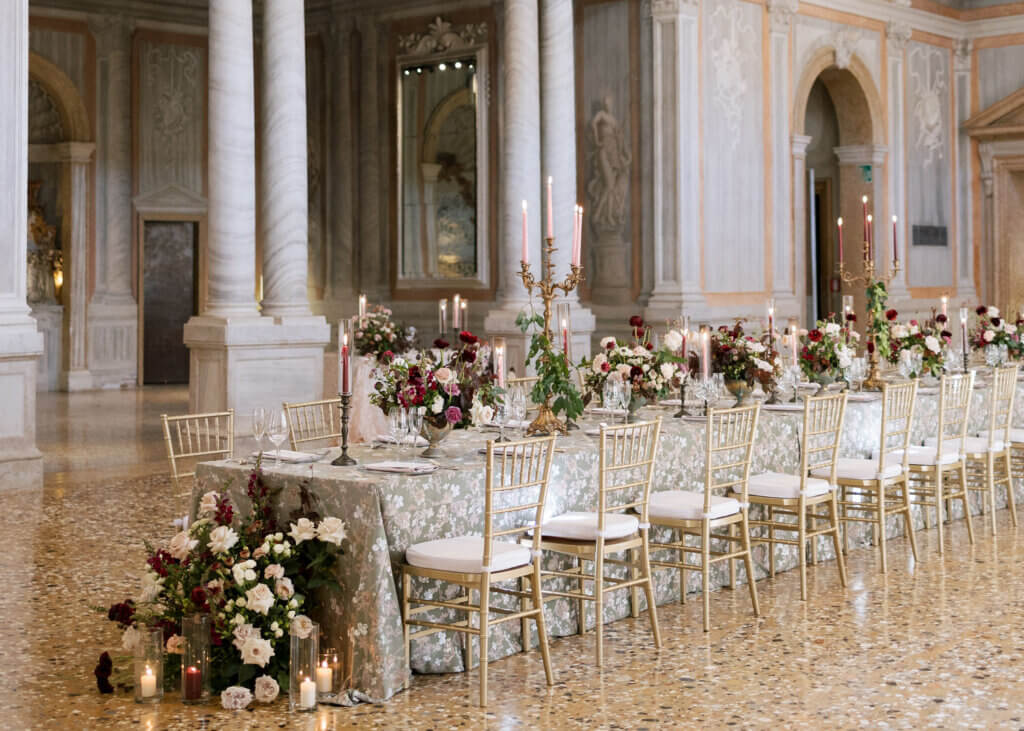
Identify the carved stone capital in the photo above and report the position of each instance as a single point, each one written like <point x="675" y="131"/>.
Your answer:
<point x="845" y="42"/>
<point x="441" y="36"/>
<point x="671" y="8"/>
<point x="962" y="49"/>
<point x="113" y="33"/>
<point x="781" y="13"/>
<point x="800" y="143"/>
<point x="898" y="34"/>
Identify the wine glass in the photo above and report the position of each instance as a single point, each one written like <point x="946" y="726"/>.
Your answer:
<point x="501" y="416"/>
<point x="413" y="424"/>
<point x="397" y="426"/>
<point x="610" y="393"/>
<point x="1004" y="354"/>
<point x="259" y="426"/>
<point x="518" y="412"/>
<point x="277" y="431"/>
<point x="625" y="396"/>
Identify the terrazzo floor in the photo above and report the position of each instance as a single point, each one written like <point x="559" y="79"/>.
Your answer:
<point x="937" y="644"/>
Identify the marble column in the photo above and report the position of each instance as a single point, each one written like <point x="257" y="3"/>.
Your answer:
<point x="784" y="246"/>
<point x="897" y="35"/>
<point x="113" y="312"/>
<point x="798" y="147"/>
<point x="676" y="134"/>
<point x="986" y="156"/>
<point x="283" y="164"/>
<point x="75" y="158"/>
<point x="373" y="243"/>
<point x="341" y="181"/>
<point x="238" y="359"/>
<point x="21" y="464"/>
<point x="520" y="171"/>
<point x="965" y="290"/>
<point x="558" y="147"/>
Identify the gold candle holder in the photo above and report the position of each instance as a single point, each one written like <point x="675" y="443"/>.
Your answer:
<point x="546" y="421"/>
<point x="869" y="277"/>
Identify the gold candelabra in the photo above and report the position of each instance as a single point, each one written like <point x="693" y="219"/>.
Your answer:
<point x="869" y="277"/>
<point x="546" y="421"/>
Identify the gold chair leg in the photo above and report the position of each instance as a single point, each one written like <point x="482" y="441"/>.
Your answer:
<point x="749" y="563"/>
<point x="652" y="609"/>
<point x="682" y="571"/>
<point x="909" y="520"/>
<point x="843" y="522"/>
<point x="406" y="590"/>
<point x="634" y="591"/>
<point x="1011" y="501"/>
<point x="730" y="545"/>
<point x="467" y="645"/>
<point x="802" y="547"/>
<point x="485" y="598"/>
<point x="990" y="474"/>
<point x="879" y="527"/>
<point x="581" y="606"/>
<point x="771" y="541"/>
<point x="938" y="507"/>
<point x="965" y="496"/>
<point x="524" y="623"/>
<point x="834" y="520"/>
<point x="599" y="598"/>
<point x="705" y="571"/>
<point x="542" y="631"/>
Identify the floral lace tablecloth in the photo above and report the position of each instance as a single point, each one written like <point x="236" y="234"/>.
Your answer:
<point x="386" y="513"/>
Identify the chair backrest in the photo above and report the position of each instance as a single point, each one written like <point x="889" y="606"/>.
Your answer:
<point x="626" y="463"/>
<point x="195" y="437"/>
<point x="954" y="408"/>
<point x="517" y="486"/>
<point x="313" y="421"/>
<point x="822" y="433"/>
<point x="898" y="401"/>
<point x="730" y="444"/>
<point x="1000" y="411"/>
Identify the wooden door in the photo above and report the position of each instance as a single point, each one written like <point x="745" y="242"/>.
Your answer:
<point x="169" y="298"/>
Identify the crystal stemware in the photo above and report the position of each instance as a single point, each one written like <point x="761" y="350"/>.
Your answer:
<point x="259" y="426"/>
<point x="518" y="412"/>
<point x="625" y="396"/>
<point x="397" y="426"/>
<point x="277" y="431"/>
<point x="501" y="416"/>
<point x="413" y="424"/>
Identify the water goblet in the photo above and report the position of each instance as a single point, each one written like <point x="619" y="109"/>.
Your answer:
<point x="277" y="431"/>
<point x="397" y="426"/>
<point x="501" y="416"/>
<point x="414" y="423"/>
<point x="259" y="426"/>
<point x="518" y="412"/>
<point x="991" y="355"/>
<point x="610" y="393"/>
<point x="625" y="396"/>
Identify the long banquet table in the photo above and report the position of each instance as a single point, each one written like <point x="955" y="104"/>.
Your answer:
<point x="386" y="513"/>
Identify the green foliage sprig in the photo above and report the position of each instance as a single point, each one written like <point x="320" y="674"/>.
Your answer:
<point x="552" y="368"/>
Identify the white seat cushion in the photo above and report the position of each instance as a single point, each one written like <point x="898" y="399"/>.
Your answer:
<point x="783" y="486"/>
<point x="1016" y="435"/>
<point x="852" y="468"/>
<point x="926" y="456"/>
<point x="972" y="445"/>
<point x="465" y="554"/>
<point x="583" y="526"/>
<point x="687" y="505"/>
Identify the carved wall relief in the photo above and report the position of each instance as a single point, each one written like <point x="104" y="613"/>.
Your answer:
<point x="729" y="37"/>
<point x="928" y="78"/>
<point x="609" y="161"/>
<point x="44" y="122"/>
<point x="441" y="37"/>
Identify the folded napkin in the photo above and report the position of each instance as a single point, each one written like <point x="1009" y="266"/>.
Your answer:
<point x="403" y="468"/>
<point x="388" y="439"/>
<point x="288" y="456"/>
<point x="512" y="424"/>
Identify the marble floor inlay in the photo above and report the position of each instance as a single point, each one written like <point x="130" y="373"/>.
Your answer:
<point x="933" y="644"/>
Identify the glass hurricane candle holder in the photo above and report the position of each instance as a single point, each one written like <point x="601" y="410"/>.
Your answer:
<point x="302" y="685"/>
<point x="195" y="659"/>
<point x="149" y="665"/>
<point x="328" y="675"/>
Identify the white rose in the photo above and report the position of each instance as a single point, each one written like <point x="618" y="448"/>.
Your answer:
<point x="267" y="689"/>
<point x="332" y="530"/>
<point x="208" y="504"/>
<point x="832" y="328"/>
<point x="845" y="361"/>
<point x="624" y="351"/>
<point x="1009" y="328"/>
<point x="444" y="376"/>
<point x="989" y="336"/>
<point x="259" y="598"/>
<point x="914" y="330"/>
<point x="763" y="365"/>
<point x="175" y="645"/>
<point x="437" y="406"/>
<point x="932" y="343"/>
<point x="303" y="530"/>
<point x="598" y="363"/>
<point x="130" y="639"/>
<point x="152" y="585"/>
<point x="624" y="370"/>
<point x="301" y="626"/>
<point x="181" y="545"/>
<point x="756" y="347"/>
<point x="673" y="340"/>
<point x="235" y="698"/>
<point x="243" y="632"/>
<point x="280" y="548"/>
<point x="993" y="312"/>
<point x="900" y="331"/>
<point x="608" y="343"/>
<point x="284" y="588"/>
<point x="238" y="573"/>
<point x="274" y="571"/>
<point x="668" y="370"/>
<point x="222" y="538"/>
<point x="481" y="415"/>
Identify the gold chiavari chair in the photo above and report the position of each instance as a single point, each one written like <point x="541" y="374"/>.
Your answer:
<point x="988" y="455"/>
<point x="729" y="446"/>
<point x="870" y="490"/>
<point x="626" y="465"/>
<point x="937" y="477"/>
<point x="313" y="421"/>
<point x="194" y="437"/>
<point x="517" y="483"/>
<point x="796" y="499"/>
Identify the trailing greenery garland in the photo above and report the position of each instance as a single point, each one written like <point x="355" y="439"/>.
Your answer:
<point x="552" y="368"/>
<point x="877" y="324"/>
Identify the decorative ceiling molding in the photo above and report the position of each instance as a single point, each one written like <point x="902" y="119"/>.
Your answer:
<point x="1003" y="119"/>
<point x="442" y="37"/>
<point x="171" y="198"/>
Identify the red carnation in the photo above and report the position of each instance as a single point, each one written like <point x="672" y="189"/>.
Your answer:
<point x="610" y="345"/>
<point x="386" y="356"/>
<point x="468" y="338"/>
<point x="636" y="321"/>
<point x="890" y="314"/>
<point x="814" y="335"/>
<point x="650" y="346"/>
<point x="198" y="596"/>
<point x="996" y="321"/>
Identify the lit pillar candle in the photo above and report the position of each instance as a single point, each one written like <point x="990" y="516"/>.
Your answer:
<point x="362" y="310"/>
<point x="193" y="683"/>
<point x="344" y="358"/>
<point x="864" y="206"/>
<point x="442" y="315"/>
<point x="456" y="313"/>
<point x="307" y="693"/>
<point x="526" y="245"/>
<point x="963" y="327"/>
<point x="895" y="245"/>
<point x="499" y="361"/>
<point x="463" y="314"/>
<point x="324" y="678"/>
<point x="870" y="255"/>
<point x="705" y="359"/>
<point x="148" y="681"/>
<point x="839" y="224"/>
<point x="551" y="212"/>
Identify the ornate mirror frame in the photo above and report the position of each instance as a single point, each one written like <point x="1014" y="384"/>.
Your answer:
<point x="432" y="40"/>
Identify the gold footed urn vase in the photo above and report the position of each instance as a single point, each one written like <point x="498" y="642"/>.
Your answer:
<point x="434" y="435"/>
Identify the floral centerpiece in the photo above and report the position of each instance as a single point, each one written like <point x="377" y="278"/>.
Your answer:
<point x="991" y="329"/>
<point x="928" y="340"/>
<point x="649" y="371"/>
<point x="743" y="360"/>
<point x="377" y="333"/>
<point x="252" y="576"/>
<point x="824" y="354"/>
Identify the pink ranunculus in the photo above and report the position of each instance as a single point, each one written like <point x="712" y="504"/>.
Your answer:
<point x="453" y="414"/>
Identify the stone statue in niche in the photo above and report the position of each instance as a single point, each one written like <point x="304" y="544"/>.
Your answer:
<point x="44" y="258"/>
<point x="610" y="160"/>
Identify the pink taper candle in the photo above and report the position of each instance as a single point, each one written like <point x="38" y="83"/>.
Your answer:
<point x="839" y="223"/>
<point x="526" y="245"/>
<point x="895" y="247"/>
<point x="551" y="218"/>
<point x="346" y="383"/>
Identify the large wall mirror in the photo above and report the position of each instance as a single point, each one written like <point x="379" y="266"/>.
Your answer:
<point x="443" y="198"/>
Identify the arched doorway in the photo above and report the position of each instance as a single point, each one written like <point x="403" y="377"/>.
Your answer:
<point x="839" y="114"/>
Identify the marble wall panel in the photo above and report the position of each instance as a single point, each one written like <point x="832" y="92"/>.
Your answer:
<point x="929" y="164"/>
<point x="169" y="292"/>
<point x="171" y="122"/>
<point x="317" y="159"/>
<point x="1000" y="73"/>
<point x="813" y="34"/>
<point x="66" y="50"/>
<point x="733" y="143"/>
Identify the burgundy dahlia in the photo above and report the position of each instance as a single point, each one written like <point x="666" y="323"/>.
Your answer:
<point x="636" y="321"/>
<point x="441" y="344"/>
<point x="981" y="310"/>
<point x="940" y="318"/>
<point x="891" y="315"/>
<point x="814" y="335"/>
<point x="122" y="613"/>
<point x="468" y="338"/>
